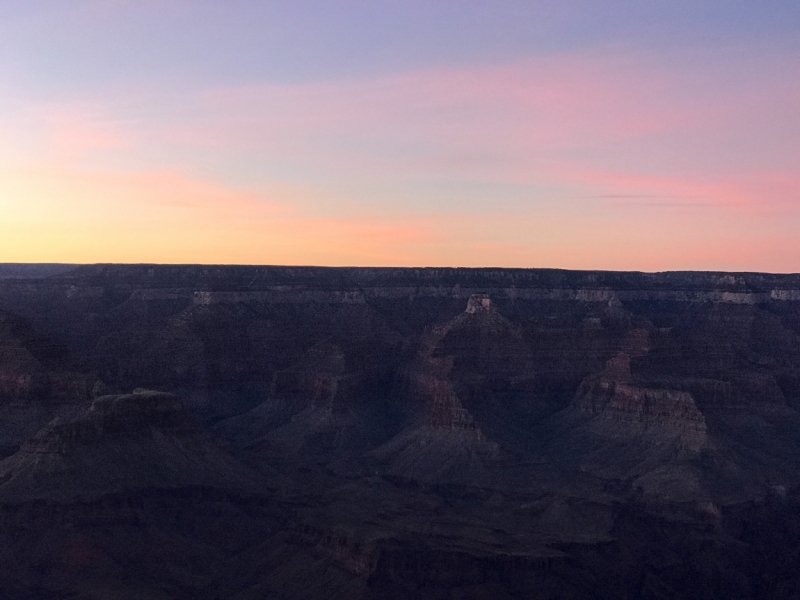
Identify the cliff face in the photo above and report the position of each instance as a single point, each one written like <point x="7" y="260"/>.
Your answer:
<point x="613" y="394"/>
<point x="374" y="433"/>
<point x="621" y="402"/>
<point x="460" y="356"/>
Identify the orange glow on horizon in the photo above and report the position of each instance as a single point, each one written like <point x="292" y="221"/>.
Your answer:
<point x="586" y="160"/>
<point x="56" y="215"/>
<point x="62" y="216"/>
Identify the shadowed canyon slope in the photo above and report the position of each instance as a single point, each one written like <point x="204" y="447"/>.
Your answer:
<point x="398" y="433"/>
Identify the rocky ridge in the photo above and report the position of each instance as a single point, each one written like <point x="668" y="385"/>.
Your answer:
<point x="120" y="442"/>
<point x="377" y="433"/>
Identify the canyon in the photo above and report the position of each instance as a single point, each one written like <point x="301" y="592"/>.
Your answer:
<point x="184" y="431"/>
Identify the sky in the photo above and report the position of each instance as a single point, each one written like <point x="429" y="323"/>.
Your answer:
<point x="621" y="135"/>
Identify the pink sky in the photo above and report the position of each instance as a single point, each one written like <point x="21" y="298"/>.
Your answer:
<point x="612" y="155"/>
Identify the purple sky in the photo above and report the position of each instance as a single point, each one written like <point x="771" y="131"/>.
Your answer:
<point x="609" y="135"/>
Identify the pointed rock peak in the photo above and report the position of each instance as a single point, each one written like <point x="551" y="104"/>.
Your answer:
<point x="479" y="303"/>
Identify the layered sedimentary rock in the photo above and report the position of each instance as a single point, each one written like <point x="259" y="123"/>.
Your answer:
<point x="37" y="382"/>
<point x="320" y="378"/>
<point x="378" y="433"/>
<point x="613" y="395"/>
<point x="141" y="440"/>
<point x="447" y="442"/>
<point x="649" y="406"/>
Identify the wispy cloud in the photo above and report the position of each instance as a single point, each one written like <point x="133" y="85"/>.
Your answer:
<point x="544" y="161"/>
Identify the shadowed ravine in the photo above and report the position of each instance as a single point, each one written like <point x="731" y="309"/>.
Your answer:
<point x="276" y="432"/>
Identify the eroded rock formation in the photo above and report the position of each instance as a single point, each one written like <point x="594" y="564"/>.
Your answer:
<point x="380" y="433"/>
<point x="142" y="440"/>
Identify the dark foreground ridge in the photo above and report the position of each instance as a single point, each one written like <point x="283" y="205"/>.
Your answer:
<point x="286" y="432"/>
